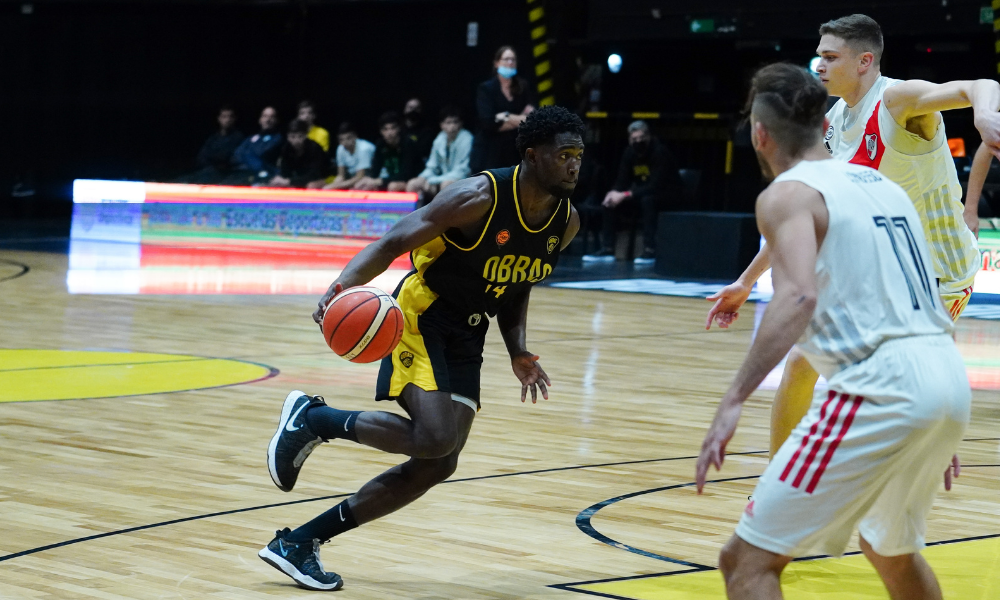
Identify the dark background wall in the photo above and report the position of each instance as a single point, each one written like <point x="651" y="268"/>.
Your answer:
<point x="130" y="89"/>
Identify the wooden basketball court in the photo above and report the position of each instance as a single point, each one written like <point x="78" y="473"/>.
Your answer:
<point x="130" y="475"/>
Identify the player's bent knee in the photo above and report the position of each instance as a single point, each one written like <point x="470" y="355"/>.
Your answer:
<point x="434" y="444"/>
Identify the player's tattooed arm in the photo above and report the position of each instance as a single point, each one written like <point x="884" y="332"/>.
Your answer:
<point x="512" y="318"/>
<point x="793" y="219"/>
<point x="731" y="298"/>
<point x="463" y="205"/>
<point x="977" y="178"/>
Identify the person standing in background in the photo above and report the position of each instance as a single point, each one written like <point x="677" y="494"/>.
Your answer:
<point x="502" y="104"/>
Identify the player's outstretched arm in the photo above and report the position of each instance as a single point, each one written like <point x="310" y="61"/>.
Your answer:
<point x="461" y="205"/>
<point x="512" y="319"/>
<point x="788" y="214"/>
<point x="916" y="98"/>
<point x="977" y="178"/>
<point x="729" y="299"/>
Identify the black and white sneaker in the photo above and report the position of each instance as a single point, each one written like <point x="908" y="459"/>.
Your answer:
<point x="293" y="441"/>
<point x="300" y="561"/>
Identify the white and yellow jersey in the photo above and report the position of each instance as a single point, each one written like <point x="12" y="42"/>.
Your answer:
<point x="866" y="134"/>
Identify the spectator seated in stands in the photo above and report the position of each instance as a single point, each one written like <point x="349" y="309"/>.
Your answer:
<point x="416" y="129"/>
<point x="302" y="161"/>
<point x="217" y="151"/>
<point x="353" y="157"/>
<point x="647" y="180"/>
<point x="307" y="113"/>
<point x="449" y="159"/>
<point x="255" y="161"/>
<point x="395" y="161"/>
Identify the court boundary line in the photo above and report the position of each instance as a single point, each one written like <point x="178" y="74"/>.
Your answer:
<point x="583" y="523"/>
<point x="335" y="496"/>
<point x="568" y="587"/>
<point x="25" y="269"/>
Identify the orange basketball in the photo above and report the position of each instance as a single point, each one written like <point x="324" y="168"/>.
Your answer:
<point x="363" y="324"/>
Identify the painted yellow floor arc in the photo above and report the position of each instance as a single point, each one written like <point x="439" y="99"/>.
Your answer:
<point x="32" y="375"/>
<point x="966" y="570"/>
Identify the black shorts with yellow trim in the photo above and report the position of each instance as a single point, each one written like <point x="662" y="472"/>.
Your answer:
<point x="441" y="348"/>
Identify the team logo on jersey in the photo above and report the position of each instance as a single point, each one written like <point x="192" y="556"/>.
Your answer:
<point x="503" y="237"/>
<point x="871" y="145"/>
<point x="551" y="244"/>
<point x="406" y="358"/>
<point x="475" y="319"/>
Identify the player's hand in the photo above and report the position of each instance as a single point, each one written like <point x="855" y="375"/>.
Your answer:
<point x="952" y="472"/>
<point x="713" y="449"/>
<point x="335" y="289"/>
<point x="973" y="222"/>
<point x="613" y="199"/>
<point x="989" y="129"/>
<point x="727" y="305"/>
<point x="531" y="375"/>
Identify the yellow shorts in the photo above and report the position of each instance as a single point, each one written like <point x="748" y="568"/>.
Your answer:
<point x="955" y="302"/>
<point x="441" y="349"/>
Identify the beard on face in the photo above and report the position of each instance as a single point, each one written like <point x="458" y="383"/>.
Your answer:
<point x="765" y="169"/>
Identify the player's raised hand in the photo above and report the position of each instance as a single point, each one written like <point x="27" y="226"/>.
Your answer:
<point x="713" y="449"/>
<point x="952" y="472"/>
<point x="335" y="289"/>
<point x="531" y="375"/>
<point x="727" y="305"/>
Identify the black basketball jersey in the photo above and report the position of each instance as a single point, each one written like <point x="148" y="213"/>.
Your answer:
<point x="477" y="275"/>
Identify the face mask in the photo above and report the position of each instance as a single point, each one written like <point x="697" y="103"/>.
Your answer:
<point x="641" y="147"/>
<point x="506" y="72"/>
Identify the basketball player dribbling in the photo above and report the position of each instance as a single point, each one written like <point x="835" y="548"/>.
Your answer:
<point x="895" y="127"/>
<point x="477" y="250"/>
<point x="853" y="284"/>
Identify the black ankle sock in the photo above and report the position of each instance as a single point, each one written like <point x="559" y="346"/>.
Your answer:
<point x="330" y="423"/>
<point x="333" y="522"/>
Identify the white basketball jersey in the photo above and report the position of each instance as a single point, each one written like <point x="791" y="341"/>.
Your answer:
<point x="866" y="134"/>
<point x="874" y="279"/>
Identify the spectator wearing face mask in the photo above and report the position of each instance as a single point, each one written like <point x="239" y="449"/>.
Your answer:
<point x="302" y="160"/>
<point x="647" y="179"/>
<point x="502" y="103"/>
<point x="416" y="128"/>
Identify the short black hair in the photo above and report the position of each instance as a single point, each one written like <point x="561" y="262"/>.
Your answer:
<point x="544" y="124"/>
<point x="347" y="127"/>
<point x="298" y="126"/>
<point x="228" y="107"/>
<point x="307" y="104"/>
<point x="450" y="111"/>
<point x="861" y="32"/>
<point x="390" y="117"/>
<point x="791" y="103"/>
